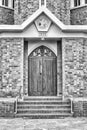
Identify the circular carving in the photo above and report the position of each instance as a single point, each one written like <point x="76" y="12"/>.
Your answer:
<point x="42" y="23"/>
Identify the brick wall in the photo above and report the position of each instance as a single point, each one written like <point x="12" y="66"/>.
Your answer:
<point x="23" y="9"/>
<point x="75" y="67"/>
<point x="6" y="16"/>
<point x="11" y="66"/>
<point x="79" y="16"/>
<point x="61" y="9"/>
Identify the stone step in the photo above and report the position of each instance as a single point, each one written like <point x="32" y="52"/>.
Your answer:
<point x="43" y="116"/>
<point x="42" y="98"/>
<point x="43" y="102"/>
<point x="43" y="107"/>
<point x="35" y="106"/>
<point x="43" y="110"/>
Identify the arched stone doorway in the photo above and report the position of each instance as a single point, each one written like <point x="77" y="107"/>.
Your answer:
<point x="42" y="66"/>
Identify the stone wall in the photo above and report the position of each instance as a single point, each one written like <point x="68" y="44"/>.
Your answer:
<point x="75" y="61"/>
<point x="23" y="9"/>
<point x="79" y="16"/>
<point x="7" y="109"/>
<point x="11" y="66"/>
<point x="6" y="15"/>
<point x="61" y="9"/>
<point x="80" y="108"/>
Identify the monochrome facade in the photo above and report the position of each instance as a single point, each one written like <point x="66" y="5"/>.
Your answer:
<point x="43" y="54"/>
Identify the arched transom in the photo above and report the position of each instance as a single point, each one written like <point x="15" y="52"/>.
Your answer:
<point x="42" y="51"/>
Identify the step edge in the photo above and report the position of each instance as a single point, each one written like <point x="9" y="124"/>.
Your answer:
<point x="42" y="114"/>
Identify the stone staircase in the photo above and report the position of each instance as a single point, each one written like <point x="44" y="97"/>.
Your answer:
<point x="43" y="107"/>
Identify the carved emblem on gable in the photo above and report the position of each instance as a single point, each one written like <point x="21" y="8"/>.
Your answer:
<point x="42" y="23"/>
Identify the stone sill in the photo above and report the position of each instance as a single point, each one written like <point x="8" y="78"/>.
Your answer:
<point x="79" y="99"/>
<point x="7" y="99"/>
<point x="78" y="7"/>
<point x="6" y="7"/>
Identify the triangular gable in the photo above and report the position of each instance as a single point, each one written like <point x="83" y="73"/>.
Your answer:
<point x="52" y="17"/>
<point x="47" y="13"/>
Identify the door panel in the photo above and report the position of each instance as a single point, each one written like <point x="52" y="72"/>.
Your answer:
<point x="35" y="80"/>
<point x="49" y="77"/>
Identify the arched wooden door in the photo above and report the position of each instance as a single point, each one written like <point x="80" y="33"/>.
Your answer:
<point x="42" y="72"/>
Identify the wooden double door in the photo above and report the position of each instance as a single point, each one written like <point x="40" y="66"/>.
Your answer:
<point x="42" y="72"/>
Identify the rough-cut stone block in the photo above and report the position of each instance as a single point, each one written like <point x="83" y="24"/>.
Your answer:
<point x="7" y="109"/>
<point x="6" y="15"/>
<point x="75" y="61"/>
<point x="23" y="9"/>
<point x="80" y="108"/>
<point x="11" y="66"/>
<point x="79" y="16"/>
<point x="61" y="9"/>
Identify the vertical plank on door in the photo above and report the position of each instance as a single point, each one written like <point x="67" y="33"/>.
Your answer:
<point x="49" y="76"/>
<point x="35" y="80"/>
